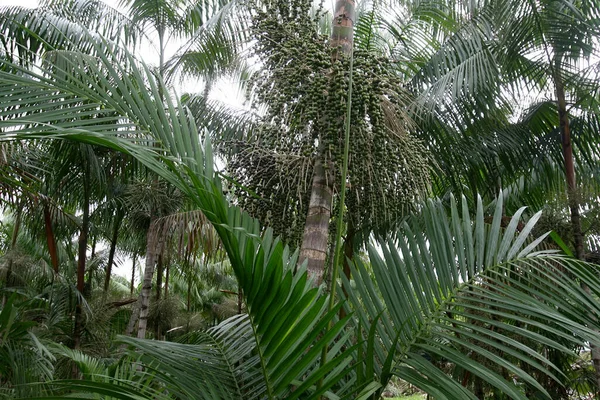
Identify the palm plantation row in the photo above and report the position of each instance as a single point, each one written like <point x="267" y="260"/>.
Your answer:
<point x="412" y="196"/>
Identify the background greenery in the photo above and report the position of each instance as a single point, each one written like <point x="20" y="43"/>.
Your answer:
<point x="469" y="241"/>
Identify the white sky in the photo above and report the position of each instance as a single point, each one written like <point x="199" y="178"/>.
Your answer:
<point x="225" y="90"/>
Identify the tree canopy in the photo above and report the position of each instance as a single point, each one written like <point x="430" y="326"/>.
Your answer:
<point x="444" y="154"/>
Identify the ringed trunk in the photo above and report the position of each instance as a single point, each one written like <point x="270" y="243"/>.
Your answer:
<point x="573" y="198"/>
<point x="50" y="239"/>
<point x="83" y="240"/>
<point x="159" y="276"/>
<point x="132" y="274"/>
<point x="144" y="299"/>
<point x="316" y="228"/>
<point x="113" y="248"/>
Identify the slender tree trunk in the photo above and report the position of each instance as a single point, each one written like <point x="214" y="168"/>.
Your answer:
<point x="50" y="239"/>
<point x="88" y="285"/>
<point x="567" y="149"/>
<point x="140" y="311"/>
<point x="159" y="275"/>
<point x="573" y="197"/>
<point x="82" y="254"/>
<point x="113" y="247"/>
<point x="316" y="228"/>
<point x="152" y="250"/>
<point x="167" y="274"/>
<point x="132" y="274"/>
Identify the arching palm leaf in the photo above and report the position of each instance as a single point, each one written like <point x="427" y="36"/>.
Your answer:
<point x="460" y="292"/>
<point x="123" y="99"/>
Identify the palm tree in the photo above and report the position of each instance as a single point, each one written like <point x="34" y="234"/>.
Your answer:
<point x="288" y="168"/>
<point x="541" y="46"/>
<point x="149" y="201"/>
<point x="285" y="329"/>
<point x="559" y="40"/>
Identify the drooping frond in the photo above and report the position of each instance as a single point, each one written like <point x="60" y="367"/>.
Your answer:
<point x="128" y="115"/>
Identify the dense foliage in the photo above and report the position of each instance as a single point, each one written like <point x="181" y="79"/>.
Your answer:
<point x="468" y="297"/>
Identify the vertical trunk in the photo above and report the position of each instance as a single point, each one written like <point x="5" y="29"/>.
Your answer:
<point x="83" y="239"/>
<point x="159" y="275"/>
<point x="316" y="228"/>
<point x="132" y="275"/>
<point x="573" y="197"/>
<point x="113" y="247"/>
<point x="567" y="149"/>
<point x="140" y="312"/>
<point x="50" y="239"/>
<point x="136" y="308"/>
<point x="88" y="285"/>
<point x="342" y="31"/>
<point x="153" y="247"/>
<point x="167" y="273"/>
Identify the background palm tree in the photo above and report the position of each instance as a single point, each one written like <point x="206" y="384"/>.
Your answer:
<point x="479" y="283"/>
<point x="261" y="263"/>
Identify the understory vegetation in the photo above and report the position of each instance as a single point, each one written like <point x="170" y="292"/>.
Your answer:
<point x="406" y="204"/>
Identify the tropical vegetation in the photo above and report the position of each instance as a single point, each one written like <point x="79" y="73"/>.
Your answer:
<point x="409" y="199"/>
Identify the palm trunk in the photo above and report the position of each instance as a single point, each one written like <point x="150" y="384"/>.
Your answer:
<point x="140" y="312"/>
<point x="83" y="240"/>
<point x="316" y="228"/>
<point x="90" y="278"/>
<point x="567" y="149"/>
<point x="144" y="300"/>
<point x="153" y="247"/>
<point x="50" y="239"/>
<point x="167" y="273"/>
<point x="159" y="275"/>
<point x="132" y="275"/>
<point x="573" y="197"/>
<point x="113" y="248"/>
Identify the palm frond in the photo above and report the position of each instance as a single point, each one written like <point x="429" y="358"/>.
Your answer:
<point x="59" y="103"/>
<point x="459" y="295"/>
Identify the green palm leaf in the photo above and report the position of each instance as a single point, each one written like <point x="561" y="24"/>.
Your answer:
<point x="458" y="292"/>
<point x="115" y="104"/>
